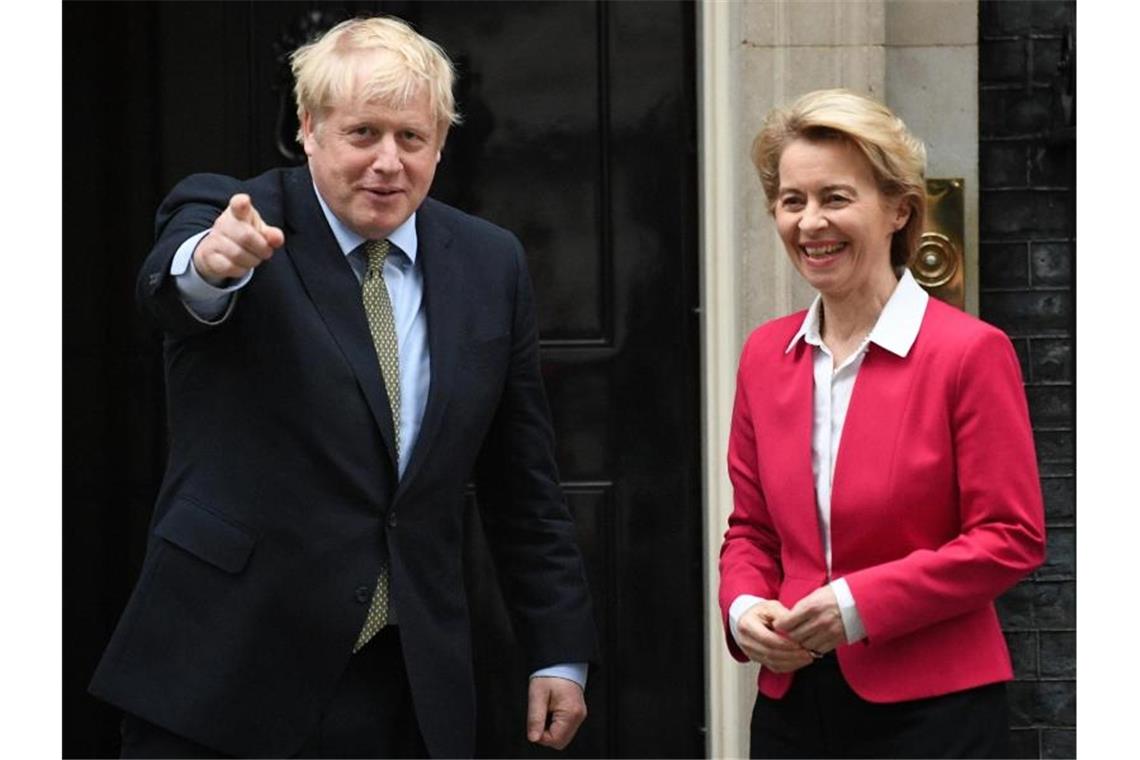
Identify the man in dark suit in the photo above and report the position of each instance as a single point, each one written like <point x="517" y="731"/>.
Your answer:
<point x="342" y="353"/>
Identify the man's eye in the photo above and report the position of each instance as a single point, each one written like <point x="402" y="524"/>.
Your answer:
<point x="411" y="136"/>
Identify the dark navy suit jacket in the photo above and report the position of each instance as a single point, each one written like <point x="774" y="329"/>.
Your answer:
<point x="281" y="500"/>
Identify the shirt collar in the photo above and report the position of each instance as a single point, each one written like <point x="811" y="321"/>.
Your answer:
<point x="897" y="326"/>
<point x="403" y="237"/>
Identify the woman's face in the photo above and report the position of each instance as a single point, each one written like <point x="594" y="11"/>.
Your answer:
<point x="835" y="224"/>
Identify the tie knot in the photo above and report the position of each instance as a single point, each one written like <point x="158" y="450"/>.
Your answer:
<point x="375" y="252"/>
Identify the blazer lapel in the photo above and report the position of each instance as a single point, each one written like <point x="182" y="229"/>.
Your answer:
<point x="442" y="285"/>
<point x="334" y="290"/>
<point x="794" y="400"/>
<point x="870" y="431"/>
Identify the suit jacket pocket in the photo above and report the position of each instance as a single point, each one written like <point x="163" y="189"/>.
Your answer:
<point x="206" y="535"/>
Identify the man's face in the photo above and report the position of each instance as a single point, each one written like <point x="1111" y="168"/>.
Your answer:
<point x="373" y="163"/>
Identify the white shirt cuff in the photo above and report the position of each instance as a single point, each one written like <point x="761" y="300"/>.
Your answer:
<point x="736" y="610"/>
<point x="852" y="623"/>
<point x="571" y="671"/>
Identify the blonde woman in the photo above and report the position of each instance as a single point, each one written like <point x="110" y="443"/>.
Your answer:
<point x="885" y="481"/>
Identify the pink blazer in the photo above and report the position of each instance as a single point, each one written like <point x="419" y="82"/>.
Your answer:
<point x="936" y="505"/>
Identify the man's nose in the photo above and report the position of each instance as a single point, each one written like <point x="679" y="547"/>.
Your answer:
<point x="387" y="158"/>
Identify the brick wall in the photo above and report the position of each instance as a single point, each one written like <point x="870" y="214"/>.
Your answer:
<point x="1026" y="263"/>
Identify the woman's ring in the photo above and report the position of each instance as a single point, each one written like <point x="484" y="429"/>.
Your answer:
<point x="815" y="654"/>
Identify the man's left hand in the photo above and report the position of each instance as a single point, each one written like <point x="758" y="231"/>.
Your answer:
<point x="814" y="622"/>
<point x="556" y="708"/>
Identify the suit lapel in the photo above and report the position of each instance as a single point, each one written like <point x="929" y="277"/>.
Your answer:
<point x="442" y="285"/>
<point x="334" y="290"/>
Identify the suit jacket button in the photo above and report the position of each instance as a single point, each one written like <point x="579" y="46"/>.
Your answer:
<point x="391" y="519"/>
<point x="363" y="594"/>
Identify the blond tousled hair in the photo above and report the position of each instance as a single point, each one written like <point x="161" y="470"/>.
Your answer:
<point x="897" y="158"/>
<point x="409" y="63"/>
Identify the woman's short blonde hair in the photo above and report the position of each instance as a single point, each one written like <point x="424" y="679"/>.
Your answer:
<point x="408" y="63"/>
<point x="897" y="158"/>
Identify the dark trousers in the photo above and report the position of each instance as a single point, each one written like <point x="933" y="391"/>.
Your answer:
<point x="821" y="716"/>
<point x="370" y="715"/>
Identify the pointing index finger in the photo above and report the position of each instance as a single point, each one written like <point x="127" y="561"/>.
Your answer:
<point x="241" y="207"/>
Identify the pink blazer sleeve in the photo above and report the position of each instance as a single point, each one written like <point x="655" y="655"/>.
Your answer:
<point x="749" y="556"/>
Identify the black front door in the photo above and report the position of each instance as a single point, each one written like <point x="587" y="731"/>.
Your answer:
<point x="579" y="135"/>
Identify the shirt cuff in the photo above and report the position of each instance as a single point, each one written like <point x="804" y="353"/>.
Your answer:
<point x="736" y="610"/>
<point x="203" y="299"/>
<point x="852" y="623"/>
<point x="571" y="671"/>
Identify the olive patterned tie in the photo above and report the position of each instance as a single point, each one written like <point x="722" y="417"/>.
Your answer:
<point x="382" y="324"/>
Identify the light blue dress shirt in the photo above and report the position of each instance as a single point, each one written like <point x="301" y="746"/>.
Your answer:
<point x="405" y="281"/>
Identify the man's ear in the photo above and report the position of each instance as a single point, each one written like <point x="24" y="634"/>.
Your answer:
<point x="309" y="132"/>
<point x="443" y="129"/>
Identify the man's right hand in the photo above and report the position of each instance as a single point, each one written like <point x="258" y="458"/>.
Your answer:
<point x="238" y="242"/>
<point x="766" y="646"/>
